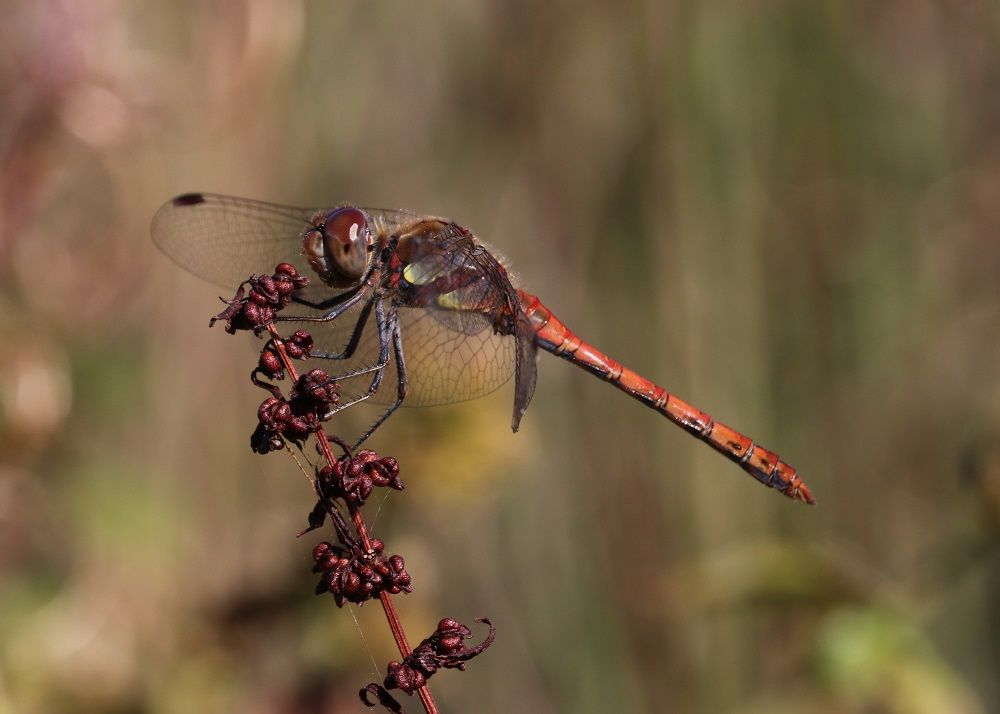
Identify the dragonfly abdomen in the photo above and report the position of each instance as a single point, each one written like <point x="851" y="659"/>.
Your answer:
<point x="552" y="335"/>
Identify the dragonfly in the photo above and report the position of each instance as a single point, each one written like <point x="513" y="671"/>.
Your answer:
<point x="419" y="307"/>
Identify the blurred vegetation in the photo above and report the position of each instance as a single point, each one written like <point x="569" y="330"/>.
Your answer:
<point x="787" y="212"/>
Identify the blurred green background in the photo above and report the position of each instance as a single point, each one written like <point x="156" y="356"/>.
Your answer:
<point x="787" y="212"/>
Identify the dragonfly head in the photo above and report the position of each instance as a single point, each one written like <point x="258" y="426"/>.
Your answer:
<point x="337" y="246"/>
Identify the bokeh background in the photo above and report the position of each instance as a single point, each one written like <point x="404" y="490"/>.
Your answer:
<point x="786" y="212"/>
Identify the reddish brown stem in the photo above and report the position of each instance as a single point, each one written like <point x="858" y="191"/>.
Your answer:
<point x="391" y="616"/>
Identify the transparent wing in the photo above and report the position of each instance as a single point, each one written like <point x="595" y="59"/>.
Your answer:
<point x="225" y="239"/>
<point x="470" y="334"/>
<point x="444" y="365"/>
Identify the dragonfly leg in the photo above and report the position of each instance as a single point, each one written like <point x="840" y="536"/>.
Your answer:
<point x="384" y="328"/>
<point x="352" y="344"/>
<point x="343" y="304"/>
<point x="360" y="371"/>
<point x="329" y="302"/>
<point x="401" y="384"/>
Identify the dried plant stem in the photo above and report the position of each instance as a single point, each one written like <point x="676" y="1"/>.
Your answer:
<point x="391" y="616"/>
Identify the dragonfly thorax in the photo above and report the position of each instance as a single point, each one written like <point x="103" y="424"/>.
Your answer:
<point x="337" y="246"/>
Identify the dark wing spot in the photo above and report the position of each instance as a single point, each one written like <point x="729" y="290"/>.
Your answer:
<point x="188" y="199"/>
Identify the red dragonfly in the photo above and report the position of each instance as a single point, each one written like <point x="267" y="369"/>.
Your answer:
<point x="449" y="324"/>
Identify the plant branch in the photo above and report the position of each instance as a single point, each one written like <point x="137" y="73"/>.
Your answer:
<point x="392" y="617"/>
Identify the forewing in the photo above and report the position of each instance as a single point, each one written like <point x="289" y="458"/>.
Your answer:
<point x="224" y="239"/>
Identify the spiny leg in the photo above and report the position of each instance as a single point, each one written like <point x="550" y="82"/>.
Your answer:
<point x="383" y="359"/>
<point x="352" y="343"/>
<point x="328" y="302"/>
<point x="401" y="383"/>
<point x="343" y="302"/>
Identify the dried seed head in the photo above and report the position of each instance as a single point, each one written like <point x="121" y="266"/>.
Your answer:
<point x="353" y="478"/>
<point x="353" y="576"/>
<point x="443" y="649"/>
<point x="251" y="310"/>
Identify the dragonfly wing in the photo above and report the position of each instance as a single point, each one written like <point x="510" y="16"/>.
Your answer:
<point x="526" y="368"/>
<point x="444" y="365"/>
<point x="469" y="335"/>
<point x="224" y="239"/>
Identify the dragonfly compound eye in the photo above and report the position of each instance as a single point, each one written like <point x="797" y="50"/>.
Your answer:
<point x="338" y="248"/>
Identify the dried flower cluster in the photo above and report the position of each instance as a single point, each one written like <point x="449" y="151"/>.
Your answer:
<point x="353" y="575"/>
<point x="312" y="397"/>
<point x="355" y="568"/>
<point x="298" y="345"/>
<point x="444" y="649"/>
<point x="267" y="295"/>
<point x="354" y="477"/>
